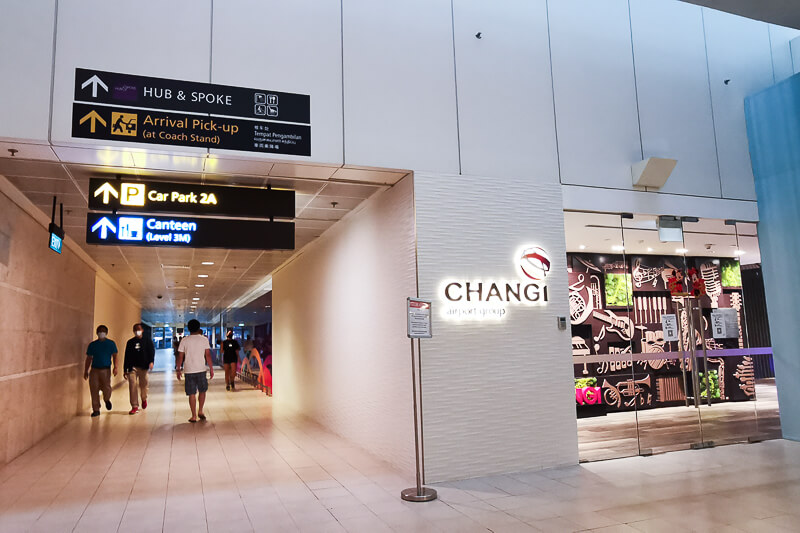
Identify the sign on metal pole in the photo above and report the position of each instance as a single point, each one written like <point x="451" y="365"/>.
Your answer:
<point x="419" y="319"/>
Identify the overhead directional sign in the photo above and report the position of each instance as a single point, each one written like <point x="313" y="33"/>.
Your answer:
<point x="188" y="232"/>
<point x="98" y="86"/>
<point x="183" y="129"/>
<point x="162" y="197"/>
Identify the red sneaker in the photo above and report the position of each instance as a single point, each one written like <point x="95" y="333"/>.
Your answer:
<point x="133" y="411"/>
<point x="144" y="404"/>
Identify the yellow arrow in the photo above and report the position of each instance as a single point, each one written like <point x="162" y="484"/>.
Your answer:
<point x="94" y="117"/>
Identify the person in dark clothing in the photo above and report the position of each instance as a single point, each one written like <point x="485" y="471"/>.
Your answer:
<point x="101" y="354"/>
<point x="139" y="356"/>
<point x="230" y="359"/>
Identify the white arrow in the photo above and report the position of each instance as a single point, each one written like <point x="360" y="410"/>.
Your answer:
<point x="106" y="189"/>
<point x="94" y="81"/>
<point x="104" y="225"/>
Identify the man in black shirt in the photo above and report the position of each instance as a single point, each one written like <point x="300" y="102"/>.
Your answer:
<point x="230" y="358"/>
<point x="139" y="356"/>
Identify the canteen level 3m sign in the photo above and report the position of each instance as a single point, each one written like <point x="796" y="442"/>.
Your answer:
<point x="188" y="232"/>
<point x="489" y="299"/>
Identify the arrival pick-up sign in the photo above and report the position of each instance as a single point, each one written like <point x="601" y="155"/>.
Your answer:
<point x="197" y="199"/>
<point x="112" y="106"/>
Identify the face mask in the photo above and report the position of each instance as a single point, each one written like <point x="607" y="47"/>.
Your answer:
<point x="102" y="335"/>
<point x="138" y="333"/>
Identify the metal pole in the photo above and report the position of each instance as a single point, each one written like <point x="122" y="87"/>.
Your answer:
<point x="680" y="306"/>
<point x="705" y="357"/>
<point x="421" y="422"/>
<point x="418" y="493"/>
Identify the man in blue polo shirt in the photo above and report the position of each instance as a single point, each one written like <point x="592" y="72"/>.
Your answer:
<point x="100" y="355"/>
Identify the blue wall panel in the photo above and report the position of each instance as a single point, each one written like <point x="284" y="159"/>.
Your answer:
<point x="773" y="127"/>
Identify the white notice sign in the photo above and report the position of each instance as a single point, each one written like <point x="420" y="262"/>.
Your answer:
<point x="419" y="319"/>
<point x="724" y="323"/>
<point x="669" y="323"/>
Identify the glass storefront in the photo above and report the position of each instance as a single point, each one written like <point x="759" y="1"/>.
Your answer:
<point x="659" y="366"/>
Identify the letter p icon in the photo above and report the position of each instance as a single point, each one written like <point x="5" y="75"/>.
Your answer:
<point x="132" y="194"/>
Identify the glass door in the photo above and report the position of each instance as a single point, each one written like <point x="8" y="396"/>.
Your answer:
<point x="664" y="363"/>
<point x="606" y="392"/>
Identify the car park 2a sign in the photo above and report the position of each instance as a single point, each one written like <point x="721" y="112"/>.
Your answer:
<point x="189" y="198"/>
<point x="488" y="299"/>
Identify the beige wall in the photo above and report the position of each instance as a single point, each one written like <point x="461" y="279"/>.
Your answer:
<point x="340" y="352"/>
<point x="119" y="312"/>
<point x="46" y="303"/>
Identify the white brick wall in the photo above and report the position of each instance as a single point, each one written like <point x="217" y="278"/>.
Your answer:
<point x="498" y="397"/>
<point x="340" y="352"/>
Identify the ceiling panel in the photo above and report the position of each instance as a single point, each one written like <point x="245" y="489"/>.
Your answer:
<point x="173" y="273"/>
<point x="27" y="151"/>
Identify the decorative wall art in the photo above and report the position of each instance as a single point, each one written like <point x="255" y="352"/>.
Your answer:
<point x="616" y="305"/>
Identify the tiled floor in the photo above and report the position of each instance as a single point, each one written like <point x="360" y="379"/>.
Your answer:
<point x="665" y="429"/>
<point x="249" y="468"/>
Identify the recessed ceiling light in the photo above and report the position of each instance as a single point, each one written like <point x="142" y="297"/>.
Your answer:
<point x="241" y="324"/>
<point x="649" y="249"/>
<point x="739" y="252"/>
<point x="199" y="285"/>
<point x="202" y="275"/>
<point x="207" y="263"/>
<point x="617" y="247"/>
<point x="195" y="298"/>
<point x="582" y="247"/>
<point x="681" y="251"/>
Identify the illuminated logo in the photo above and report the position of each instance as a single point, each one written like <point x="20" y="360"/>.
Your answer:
<point x="489" y="299"/>
<point x="534" y="263"/>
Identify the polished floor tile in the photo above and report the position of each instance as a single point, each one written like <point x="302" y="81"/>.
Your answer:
<point x="252" y="468"/>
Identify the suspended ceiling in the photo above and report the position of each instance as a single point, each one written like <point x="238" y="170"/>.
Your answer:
<point x="165" y="280"/>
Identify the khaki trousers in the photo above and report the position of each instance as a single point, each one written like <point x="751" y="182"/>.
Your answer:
<point x="99" y="380"/>
<point x="137" y="378"/>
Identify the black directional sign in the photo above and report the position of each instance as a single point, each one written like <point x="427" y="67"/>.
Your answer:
<point x="98" y="86"/>
<point x="188" y="232"/>
<point x="91" y="121"/>
<point x="162" y="197"/>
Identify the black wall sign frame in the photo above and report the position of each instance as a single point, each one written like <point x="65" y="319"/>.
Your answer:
<point x="130" y="90"/>
<point x="186" y="198"/>
<point x="188" y="232"/>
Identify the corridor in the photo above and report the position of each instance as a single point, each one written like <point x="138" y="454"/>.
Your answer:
<point x="249" y="468"/>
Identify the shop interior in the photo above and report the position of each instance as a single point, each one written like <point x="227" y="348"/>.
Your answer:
<point x="705" y="378"/>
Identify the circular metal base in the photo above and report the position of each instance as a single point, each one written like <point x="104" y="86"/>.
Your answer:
<point x="426" y="495"/>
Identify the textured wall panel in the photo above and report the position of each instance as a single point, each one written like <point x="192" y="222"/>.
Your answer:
<point x="499" y="396"/>
<point x="46" y="303"/>
<point x="340" y="352"/>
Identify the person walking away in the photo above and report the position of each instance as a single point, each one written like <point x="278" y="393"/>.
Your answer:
<point x="194" y="353"/>
<point x="101" y="354"/>
<point x="230" y="359"/>
<point x="139" y="356"/>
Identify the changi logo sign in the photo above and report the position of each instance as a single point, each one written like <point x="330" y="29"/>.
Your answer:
<point x="489" y="299"/>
